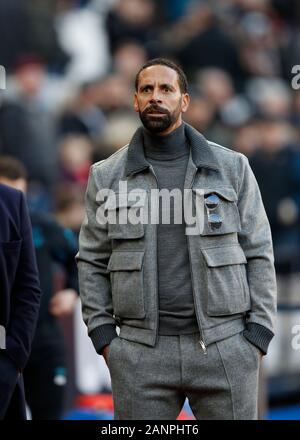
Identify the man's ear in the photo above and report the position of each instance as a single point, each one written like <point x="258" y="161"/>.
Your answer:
<point x="185" y="102"/>
<point x="135" y="103"/>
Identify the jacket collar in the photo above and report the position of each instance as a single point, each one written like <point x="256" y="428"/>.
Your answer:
<point x="202" y="154"/>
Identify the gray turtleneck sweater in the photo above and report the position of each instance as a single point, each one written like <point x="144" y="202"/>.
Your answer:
<point x="169" y="156"/>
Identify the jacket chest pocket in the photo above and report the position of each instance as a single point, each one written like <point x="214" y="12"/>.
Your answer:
<point x="226" y="281"/>
<point x="125" y="217"/>
<point x="219" y="218"/>
<point x="126" y="275"/>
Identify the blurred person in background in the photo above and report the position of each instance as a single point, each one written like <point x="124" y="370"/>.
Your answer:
<point x="45" y="375"/>
<point x="198" y="41"/>
<point x="82" y="35"/>
<point x="87" y="113"/>
<point x="114" y="93"/>
<point x="27" y="130"/>
<point x="75" y="159"/>
<point x="42" y="35"/>
<point x="136" y="20"/>
<point x="259" y="44"/>
<point x="271" y="97"/>
<point x="118" y="131"/>
<point x="201" y="112"/>
<point x="230" y="109"/>
<point x="82" y="115"/>
<point x="69" y="206"/>
<point x="276" y="165"/>
<point x="216" y="85"/>
<point x="247" y="138"/>
<point x="127" y="57"/>
<point x="19" y="300"/>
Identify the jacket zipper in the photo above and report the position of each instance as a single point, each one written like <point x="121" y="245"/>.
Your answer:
<point x="201" y="340"/>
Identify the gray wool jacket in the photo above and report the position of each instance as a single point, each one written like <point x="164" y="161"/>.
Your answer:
<point x="232" y="266"/>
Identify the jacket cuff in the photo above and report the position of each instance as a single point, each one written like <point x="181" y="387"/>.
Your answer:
<point x="258" y="335"/>
<point x="102" y="336"/>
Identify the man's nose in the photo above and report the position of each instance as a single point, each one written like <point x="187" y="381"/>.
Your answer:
<point x="156" y="97"/>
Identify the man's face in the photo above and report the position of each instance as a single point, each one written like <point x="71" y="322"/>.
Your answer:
<point x="159" y="100"/>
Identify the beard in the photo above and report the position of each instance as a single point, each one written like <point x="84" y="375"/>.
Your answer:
<point x="158" y="124"/>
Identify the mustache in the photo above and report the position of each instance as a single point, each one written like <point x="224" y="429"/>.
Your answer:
<point x="155" y="109"/>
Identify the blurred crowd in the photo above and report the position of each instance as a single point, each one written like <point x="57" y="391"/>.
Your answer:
<point x="71" y="66"/>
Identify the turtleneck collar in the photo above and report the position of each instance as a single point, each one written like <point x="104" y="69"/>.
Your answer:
<point x="170" y="146"/>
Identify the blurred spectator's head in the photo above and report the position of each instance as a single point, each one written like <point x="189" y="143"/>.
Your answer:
<point x="89" y="93"/>
<point x="135" y="12"/>
<point x="128" y="57"/>
<point x="119" y="130"/>
<point x="69" y="205"/>
<point x="216" y="85"/>
<point x="256" y="27"/>
<point x="272" y="97"/>
<point x="13" y="173"/>
<point x="247" y="138"/>
<point x="258" y="52"/>
<point x="29" y="72"/>
<point x="75" y="158"/>
<point x="200" y="113"/>
<point x="114" y="92"/>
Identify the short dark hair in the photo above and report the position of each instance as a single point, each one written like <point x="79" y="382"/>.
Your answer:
<point x="12" y="168"/>
<point x="182" y="80"/>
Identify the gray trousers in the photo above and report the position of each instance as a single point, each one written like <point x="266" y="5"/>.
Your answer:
<point x="153" y="382"/>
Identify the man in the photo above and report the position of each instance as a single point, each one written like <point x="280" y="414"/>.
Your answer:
<point x="45" y="373"/>
<point x="196" y="310"/>
<point x="19" y="300"/>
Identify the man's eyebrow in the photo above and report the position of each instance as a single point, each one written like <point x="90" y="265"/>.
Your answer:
<point x="167" y="85"/>
<point x="146" y="85"/>
<point x="161" y="86"/>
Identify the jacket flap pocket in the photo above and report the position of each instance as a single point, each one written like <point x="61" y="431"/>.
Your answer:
<point x="132" y="260"/>
<point x="223" y="256"/>
<point x="225" y="193"/>
<point x="130" y="199"/>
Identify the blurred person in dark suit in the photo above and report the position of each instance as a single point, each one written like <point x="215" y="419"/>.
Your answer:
<point x="45" y="375"/>
<point x="19" y="300"/>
